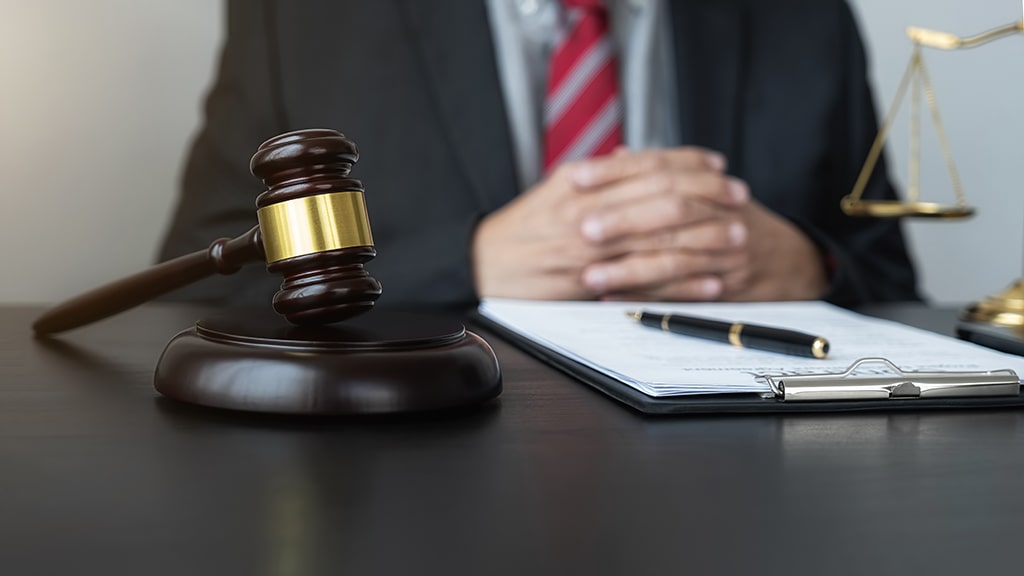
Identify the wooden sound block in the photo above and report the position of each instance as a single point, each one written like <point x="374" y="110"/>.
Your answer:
<point x="384" y="362"/>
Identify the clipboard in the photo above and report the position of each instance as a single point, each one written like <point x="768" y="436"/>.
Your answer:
<point x="956" y="390"/>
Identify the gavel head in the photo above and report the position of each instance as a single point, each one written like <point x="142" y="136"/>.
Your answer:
<point x="314" y="227"/>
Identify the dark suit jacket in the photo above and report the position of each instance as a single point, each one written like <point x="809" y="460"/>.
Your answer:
<point x="778" y="86"/>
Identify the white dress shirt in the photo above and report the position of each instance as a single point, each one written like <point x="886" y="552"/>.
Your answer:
<point x="524" y="33"/>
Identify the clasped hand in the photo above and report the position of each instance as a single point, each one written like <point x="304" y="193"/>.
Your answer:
<point x="649" y="225"/>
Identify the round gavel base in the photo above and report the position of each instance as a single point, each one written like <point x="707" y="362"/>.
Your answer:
<point x="379" y="363"/>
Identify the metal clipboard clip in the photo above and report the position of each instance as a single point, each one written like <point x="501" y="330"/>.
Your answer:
<point x="896" y="386"/>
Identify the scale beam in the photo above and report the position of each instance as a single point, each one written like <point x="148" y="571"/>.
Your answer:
<point x="948" y="41"/>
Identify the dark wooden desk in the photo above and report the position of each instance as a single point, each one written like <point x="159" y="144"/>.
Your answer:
<point x="99" y="475"/>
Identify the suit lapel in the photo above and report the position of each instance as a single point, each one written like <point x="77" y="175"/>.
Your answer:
<point x="709" y="47"/>
<point x="461" y="74"/>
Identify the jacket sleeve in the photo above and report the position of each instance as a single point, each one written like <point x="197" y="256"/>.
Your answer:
<point x="867" y="257"/>
<point x="218" y="193"/>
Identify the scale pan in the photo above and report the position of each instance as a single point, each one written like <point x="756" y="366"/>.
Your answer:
<point x="898" y="209"/>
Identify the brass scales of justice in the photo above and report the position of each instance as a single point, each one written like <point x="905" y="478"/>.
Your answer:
<point x="1007" y="307"/>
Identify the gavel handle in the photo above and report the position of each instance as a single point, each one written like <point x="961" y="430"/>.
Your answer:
<point x="224" y="256"/>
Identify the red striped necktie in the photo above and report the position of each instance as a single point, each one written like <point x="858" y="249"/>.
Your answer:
<point x="582" y="108"/>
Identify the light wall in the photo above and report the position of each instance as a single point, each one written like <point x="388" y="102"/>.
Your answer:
<point x="100" y="98"/>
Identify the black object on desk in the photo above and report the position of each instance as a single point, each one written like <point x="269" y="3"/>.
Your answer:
<point x="1003" y="338"/>
<point x="738" y="334"/>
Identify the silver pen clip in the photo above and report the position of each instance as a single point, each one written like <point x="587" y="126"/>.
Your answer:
<point x="899" y="385"/>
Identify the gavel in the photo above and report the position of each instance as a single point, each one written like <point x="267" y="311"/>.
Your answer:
<point x="313" y="230"/>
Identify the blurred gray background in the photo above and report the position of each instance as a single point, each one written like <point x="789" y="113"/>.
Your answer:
<point x="100" y="99"/>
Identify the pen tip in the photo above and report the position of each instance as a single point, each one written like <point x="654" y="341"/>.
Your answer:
<point x="633" y="314"/>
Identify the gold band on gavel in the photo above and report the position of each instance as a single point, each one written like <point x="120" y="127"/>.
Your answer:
<point x="314" y="224"/>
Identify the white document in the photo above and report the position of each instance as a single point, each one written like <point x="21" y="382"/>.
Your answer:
<point x="601" y="336"/>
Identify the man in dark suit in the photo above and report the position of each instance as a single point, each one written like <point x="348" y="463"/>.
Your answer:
<point x="769" y="119"/>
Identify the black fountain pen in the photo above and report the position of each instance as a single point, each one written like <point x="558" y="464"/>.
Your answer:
<point x="738" y="334"/>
